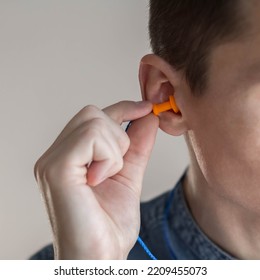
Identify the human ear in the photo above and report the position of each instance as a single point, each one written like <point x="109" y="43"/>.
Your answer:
<point x="158" y="81"/>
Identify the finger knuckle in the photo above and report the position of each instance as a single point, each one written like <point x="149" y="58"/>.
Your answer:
<point x="36" y="170"/>
<point x="94" y="128"/>
<point x="99" y="123"/>
<point x="39" y="170"/>
<point x="122" y="103"/>
<point x="44" y="171"/>
<point x="90" y="109"/>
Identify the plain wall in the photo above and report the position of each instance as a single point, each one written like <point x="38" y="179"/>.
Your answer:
<point x="56" y="56"/>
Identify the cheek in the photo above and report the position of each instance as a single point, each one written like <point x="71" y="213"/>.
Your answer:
<point x="226" y="144"/>
<point x="245" y="125"/>
<point x="215" y="151"/>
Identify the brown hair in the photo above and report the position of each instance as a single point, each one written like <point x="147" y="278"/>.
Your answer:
<point x="183" y="33"/>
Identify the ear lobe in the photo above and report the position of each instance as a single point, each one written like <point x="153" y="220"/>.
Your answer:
<point x="158" y="81"/>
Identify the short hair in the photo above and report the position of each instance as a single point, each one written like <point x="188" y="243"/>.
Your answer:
<point x="183" y="33"/>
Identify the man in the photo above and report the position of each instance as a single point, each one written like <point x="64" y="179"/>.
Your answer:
<point x="206" y="54"/>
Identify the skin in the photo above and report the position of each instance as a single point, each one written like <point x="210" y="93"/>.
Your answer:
<point x="91" y="180"/>
<point x="222" y="131"/>
<point x="91" y="177"/>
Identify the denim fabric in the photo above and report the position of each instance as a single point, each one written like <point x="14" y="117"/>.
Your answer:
<point x="186" y="239"/>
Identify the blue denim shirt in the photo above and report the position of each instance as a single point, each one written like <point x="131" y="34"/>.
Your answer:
<point x="169" y="233"/>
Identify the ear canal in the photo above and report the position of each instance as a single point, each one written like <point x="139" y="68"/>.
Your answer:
<point x="166" y="106"/>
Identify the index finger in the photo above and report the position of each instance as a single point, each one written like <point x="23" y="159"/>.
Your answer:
<point x="125" y="111"/>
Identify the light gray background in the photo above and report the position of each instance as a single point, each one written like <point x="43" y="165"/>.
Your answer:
<point x="56" y="56"/>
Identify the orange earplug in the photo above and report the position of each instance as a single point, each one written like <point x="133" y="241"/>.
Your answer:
<point x="170" y="105"/>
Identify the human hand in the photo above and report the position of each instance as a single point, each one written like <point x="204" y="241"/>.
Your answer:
<point x="91" y="180"/>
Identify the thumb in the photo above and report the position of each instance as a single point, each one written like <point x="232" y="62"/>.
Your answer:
<point x="142" y="134"/>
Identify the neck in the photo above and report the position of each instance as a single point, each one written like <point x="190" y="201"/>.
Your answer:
<point x="232" y="227"/>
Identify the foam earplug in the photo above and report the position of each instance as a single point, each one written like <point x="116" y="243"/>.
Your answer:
<point x="166" y="106"/>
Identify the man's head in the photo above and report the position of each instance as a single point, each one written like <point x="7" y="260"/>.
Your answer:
<point x="184" y="33"/>
<point x="207" y="53"/>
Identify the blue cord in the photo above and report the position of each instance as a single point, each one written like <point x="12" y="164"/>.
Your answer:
<point x="147" y="251"/>
<point x="140" y="241"/>
<point x="128" y="125"/>
<point x="166" y="232"/>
